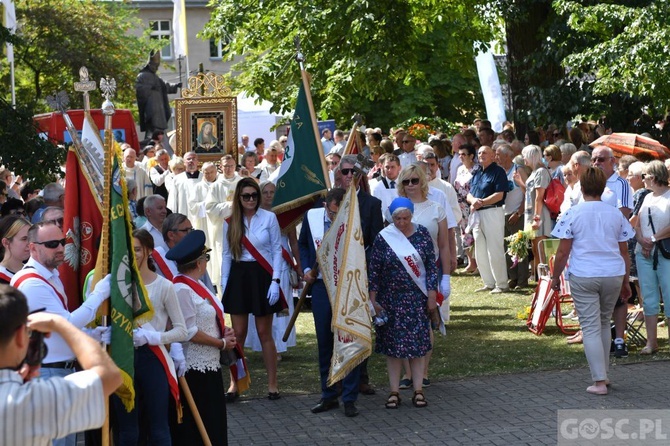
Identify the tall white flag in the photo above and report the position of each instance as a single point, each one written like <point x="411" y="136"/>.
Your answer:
<point x="179" y="27"/>
<point x="9" y="22"/>
<point x="493" y="98"/>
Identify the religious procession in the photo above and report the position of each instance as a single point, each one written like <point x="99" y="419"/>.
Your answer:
<point x="164" y="275"/>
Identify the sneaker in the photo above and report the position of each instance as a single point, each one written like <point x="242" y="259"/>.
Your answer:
<point x="620" y="351"/>
<point x="405" y="383"/>
<point x="482" y="289"/>
<point x="425" y="383"/>
<point x="498" y="290"/>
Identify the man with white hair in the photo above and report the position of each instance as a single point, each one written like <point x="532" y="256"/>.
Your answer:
<point x="160" y="172"/>
<point x="270" y="162"/>
<point x="155" y="211"/>
<point x="136" y="172"/>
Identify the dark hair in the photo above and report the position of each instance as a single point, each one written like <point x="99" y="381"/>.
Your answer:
<point x="33" y="205"/>
<point x="13" y="312"/>
<point x="470" y="148"/>
<point x="258" y="142"/>
<point x="376" y="136"/>
<point x="139" y="207"/>
<point x="156" y="134"/>
<point x="593" y="182"/>
<point x="336" y="195"/>
<point x="147" y="242"/>
<point x="26" y="189"/>
<point x="10" y="205"/>
<point x="171" y="223"/>
<point x="533" y="138"/>
<point x="439" y="148"/>
<point x="387" y="145"/>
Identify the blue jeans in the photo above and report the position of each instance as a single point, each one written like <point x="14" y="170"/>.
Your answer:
<point x="45" y="373"/>
<point x="323" y="316"/>
<point x="151" y="404"/>
<point x="651" y="280"/>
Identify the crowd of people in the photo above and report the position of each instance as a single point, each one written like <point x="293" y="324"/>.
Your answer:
<point x="207" y="244"/>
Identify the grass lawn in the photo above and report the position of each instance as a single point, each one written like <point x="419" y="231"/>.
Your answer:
<point x="484" y="337"/>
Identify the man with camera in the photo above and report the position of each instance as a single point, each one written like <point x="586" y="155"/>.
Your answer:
<point x="43" y="289"/>
<point x="35" y="412"/>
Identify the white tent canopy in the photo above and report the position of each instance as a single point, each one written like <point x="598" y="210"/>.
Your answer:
<point x="255" y="119"/>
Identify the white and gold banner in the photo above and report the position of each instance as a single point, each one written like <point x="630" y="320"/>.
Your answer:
<point x="342" y="261"/>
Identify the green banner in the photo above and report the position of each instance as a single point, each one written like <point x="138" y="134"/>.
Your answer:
<point x="128" y="298"/>
<point x="302" y="174"/>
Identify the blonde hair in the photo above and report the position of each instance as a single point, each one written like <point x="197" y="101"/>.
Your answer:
<point x="406" y="173"/>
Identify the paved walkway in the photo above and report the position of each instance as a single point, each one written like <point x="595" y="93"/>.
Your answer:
<point x="517" y="409"/>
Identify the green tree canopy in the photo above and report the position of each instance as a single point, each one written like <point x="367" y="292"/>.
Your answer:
<point x="385" y="59"/>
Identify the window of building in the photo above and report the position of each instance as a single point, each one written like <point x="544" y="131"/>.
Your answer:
<point x="161" y="30"/>
<point x="217" y="48"/>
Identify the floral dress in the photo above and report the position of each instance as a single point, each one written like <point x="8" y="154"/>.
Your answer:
<point x="462" y="186"/>
<point x="407" y="332"/>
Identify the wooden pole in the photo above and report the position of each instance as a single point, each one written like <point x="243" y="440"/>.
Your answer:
<point x="194" y="410"/>
<point x="296" y="311"/>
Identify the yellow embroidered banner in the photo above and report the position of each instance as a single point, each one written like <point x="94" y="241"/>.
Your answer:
<point x="342" y="260"/>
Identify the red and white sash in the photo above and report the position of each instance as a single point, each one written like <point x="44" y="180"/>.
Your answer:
<point x="5" y="277"/>
<point x="315" y="217"/>
<point x="162" y="265"/>
<point x="168" y="365"/>
<point x="239" y="368"/>
<point x="22" y="277"/>
<point x="407" y="254"/>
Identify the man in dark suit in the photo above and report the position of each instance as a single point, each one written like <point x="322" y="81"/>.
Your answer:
<point x="370" y="209"/>
<point x="315" y="224"/>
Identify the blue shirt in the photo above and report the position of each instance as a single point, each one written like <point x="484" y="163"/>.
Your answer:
<point x="486" y="182"/>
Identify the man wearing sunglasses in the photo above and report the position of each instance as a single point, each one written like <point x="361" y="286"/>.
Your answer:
<point x="37" y="412"/>
<point x="40" y="283"/>
<point x="408" y="155"/>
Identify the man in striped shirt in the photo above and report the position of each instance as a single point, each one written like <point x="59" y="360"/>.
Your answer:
<point x="33" y="412"/>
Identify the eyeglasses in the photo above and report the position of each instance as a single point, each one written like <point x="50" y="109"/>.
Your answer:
<point x="17" y="212"/>
<point x="52" y="244"/>
<point x="346" y="172"/>
<point x="414" y="181"/>
<point x="646" y="175"/>
<point x="206" y="257"/>
<point x="331" y="213"/>
<point x="405" y="141"/>
<point x="249" y="197"/>
<point x="599" y="159"/>
<point x="333" y="163"/>
<point x="186" y="230"/>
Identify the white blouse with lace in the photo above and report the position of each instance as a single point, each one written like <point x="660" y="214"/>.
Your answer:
<point x="198" y="315"/>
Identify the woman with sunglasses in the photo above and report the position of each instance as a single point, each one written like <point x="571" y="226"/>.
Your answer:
<point x="251" y="274"/>
<point x="152" y="389"/>
<point x="653" y="270"/>
<point x="15" y="248"/>
<point x="209" y="340"/>
<point x="468" y="156"/>
<point x="413" y="184"/>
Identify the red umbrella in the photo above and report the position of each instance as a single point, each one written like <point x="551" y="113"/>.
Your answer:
<point x="633" y="144"/>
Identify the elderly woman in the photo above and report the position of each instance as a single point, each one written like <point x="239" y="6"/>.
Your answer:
<point x="554" y="161"/>
<point x="251" y="273"/>
<point x="537" y="216"/>
<point x="250" y="163"/>
<point x="406" y="290"/>
<point x="593" y="236"/>
<point x="15" y="246"/>
<point x="152" y="390"/>
<point x="208" y="337"/>
<point x="653" y="269"/>
<point x="468" y="155"/>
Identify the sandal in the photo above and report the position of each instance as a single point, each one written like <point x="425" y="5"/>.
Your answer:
<point x="393" y="401"/>
<point x="419" y="400"/>
<point x="648" y="350"/>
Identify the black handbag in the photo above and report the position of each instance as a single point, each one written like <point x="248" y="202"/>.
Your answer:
<point x="662" y="246"/>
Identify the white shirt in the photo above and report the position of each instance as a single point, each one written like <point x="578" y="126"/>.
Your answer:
<point x="158" y="178"/>
<point x="141" y="177"/>
<point x="438" y="197"/>
<point x="515" y="197"/>
<point x="265" y="235"/>
<point x="660" y="214"/>
<point x="179" y="193"/>
<point x="164" y="299"/>
<point x="156" y="234"/>
<point x="620" y="188"/>
<point x="41" y="295"/>
<point x="453" y="168"/>
<point x="384" y="194"/>
<point x="41" y="410"/>
<point x="596" y="228"/>
<point x="429" y="214"/>
<point x="407" y="159"/>
<point x="449" y="192"/>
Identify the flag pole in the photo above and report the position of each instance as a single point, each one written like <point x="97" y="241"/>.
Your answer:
<point x="300" y="58"/>
<point x="108" y="86"/>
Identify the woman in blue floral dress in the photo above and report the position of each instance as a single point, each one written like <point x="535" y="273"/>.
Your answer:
<point x="406" y="290"/>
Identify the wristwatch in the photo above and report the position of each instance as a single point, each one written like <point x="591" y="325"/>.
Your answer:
<point x="276" y="280"/>
<point x="653" y="239"/>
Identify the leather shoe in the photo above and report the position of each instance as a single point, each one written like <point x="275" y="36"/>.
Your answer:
<point x="350" y="410"/>
<point x="325" y="405"/>
<point x="366" y="389"/>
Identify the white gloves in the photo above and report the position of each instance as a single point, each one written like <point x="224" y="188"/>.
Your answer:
<point x="101" y="334"/>
<point x="100" y="293"/>
<point x="445" y="285"/>
<point x="273" y="293"/>
<point x="177" y="355"/>
<point x="142" y="337"/>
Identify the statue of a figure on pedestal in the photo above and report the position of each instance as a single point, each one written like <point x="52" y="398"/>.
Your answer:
<point x="152" y="96"/>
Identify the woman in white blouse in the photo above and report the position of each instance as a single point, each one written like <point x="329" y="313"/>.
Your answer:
<point x="250" y="274"/>
<point x="151" y="380"/>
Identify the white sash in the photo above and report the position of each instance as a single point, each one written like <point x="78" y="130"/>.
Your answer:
<point x="315" y="217"/>
<point x="407" y="254"/>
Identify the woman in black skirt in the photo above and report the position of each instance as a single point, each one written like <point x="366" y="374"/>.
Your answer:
<point x="250" y="271"/>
